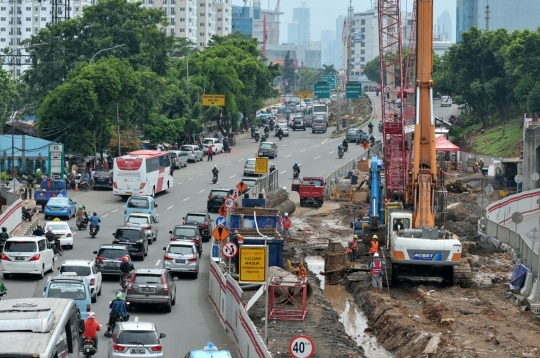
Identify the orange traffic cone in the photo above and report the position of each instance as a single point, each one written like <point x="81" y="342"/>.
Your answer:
<point x="76" y="186"/>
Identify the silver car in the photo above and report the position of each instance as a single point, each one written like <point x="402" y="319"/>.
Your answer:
<point x="249" y="167"/>
<point x="181" y="256"/>
<point x="146" y="221"/>
<point x="179" y="158"/>
<point x="135" y="339"/>
<point x="284" y="128"/>
<point x="194" y="152"/>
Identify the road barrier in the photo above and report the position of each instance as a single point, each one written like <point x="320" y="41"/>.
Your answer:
<point x="226" y="296"/>
<point x="267" y="183"/>
<point x="11" y="218"/>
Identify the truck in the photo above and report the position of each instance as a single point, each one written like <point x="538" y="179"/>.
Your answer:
<point x="49" y="188"/>
<point x="310" y="189"/>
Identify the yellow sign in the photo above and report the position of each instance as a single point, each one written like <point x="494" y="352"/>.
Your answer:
<point x="210" y="99"/>
<point x="306" y="94"/>
<point x="261" y="165"/>
<point x="253" y="264"/>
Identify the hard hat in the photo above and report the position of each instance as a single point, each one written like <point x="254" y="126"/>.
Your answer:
<point x="119" y="295"/>
<point x="91" y="315"/>
<point x="56" y="219"/>
<point x="374" y="237"/>
<point x="355" y="237"/>
<point x="375" y="255"/>
<point x="482" y="159"/>
<point x="286" y="214"/>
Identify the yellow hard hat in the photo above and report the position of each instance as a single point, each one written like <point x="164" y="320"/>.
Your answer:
<point x="56" y="219"/>
<point x="482" y="159"/>
<point x="476" y="163"/>
<point x="375" y="237"/>
<point x="355" y="237"/>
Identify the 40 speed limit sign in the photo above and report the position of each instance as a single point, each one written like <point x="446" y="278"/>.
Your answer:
<point x="301" y="347"/>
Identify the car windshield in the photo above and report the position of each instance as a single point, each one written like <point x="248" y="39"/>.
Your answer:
<point x="319" y="109"/>
<point x="79" y="270"/>
<point x="250" y="162"/>
<point x="282" y="125"/>
<point x="57" y="201"/>
<point x="131" y="235"/>
<point x="220" y="193"/>
<point x="139" y="220"/>
<point x="56" y="227"/>
<point x="182" y="154"/>
<point x="196" y="218"/>
<point x="351" y="131"/>
<point x="318" y="121"/>
<point x="266" y="146"/>
<point x="112" y="253"/>
<point x="181" y="250"/>
<point x="138" y="203"/>
<point x="208" y="141"/>
<point x="186" y="148"/>
<point x="137" y="337"/>
<point x="74" y="291"/>
<point x="184" y="231"/>
<point x="12" y="246"/>
<point x="172" y="154"/>
<point x="146" y="278"/>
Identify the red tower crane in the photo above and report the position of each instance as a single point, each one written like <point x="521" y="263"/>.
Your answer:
<point x="265" y="37"/>
<point x="391" y="64"/>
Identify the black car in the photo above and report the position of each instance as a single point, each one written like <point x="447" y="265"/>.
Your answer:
<point x="216" y="198"/>
<point x="200" y="220"/>
<point x="134" y="237"/>
<point x="103" y="179"/>
<point x="189" y="233"/>
<point x="298" y="123"/>
<point x="109" y="257"/>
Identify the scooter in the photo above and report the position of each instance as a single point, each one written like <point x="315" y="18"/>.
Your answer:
<point x="380" y="129"/>
<point x="26" y="214"/>
<point x="257" y="136"/>
<point x="82" y="223"/>
<point x="57" y="248"/>
<point x="345" y="147"/>
<point x="88" y="348"/>
<point x="93" y="230"/>
<point x="295" y="174"/>
<point x="280" y="136"/>
<point x="227" y="149"/>
<point x="370" y="130"/>
<point x="340" y="154"/>
<point x="214" y="179"/>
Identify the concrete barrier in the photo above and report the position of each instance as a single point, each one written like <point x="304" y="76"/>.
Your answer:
<point x="11" y="218"/>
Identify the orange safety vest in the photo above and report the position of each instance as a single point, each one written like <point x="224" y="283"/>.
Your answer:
<point x="352" y="246"/>
<point x="374" y="247"/>
<point x="287" y="222"/>
<point x="376" y="267"/>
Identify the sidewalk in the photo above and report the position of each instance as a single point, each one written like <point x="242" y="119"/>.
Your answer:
<point x="25" y="225"/>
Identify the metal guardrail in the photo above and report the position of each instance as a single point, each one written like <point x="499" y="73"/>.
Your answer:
<point x="267" y="183"/>
<point x="332" y="179"/>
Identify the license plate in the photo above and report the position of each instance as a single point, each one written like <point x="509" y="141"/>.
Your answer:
<point x="19" y="258"/>
<point x="147" y="289"/>
<point x="55" y="209"/>
<point x="219" y="200"/>
<point x="110" y="264"/>
<point x="137" y="351"/>
<point x="180" y="261"/>
<point x="128" y="192"/>
<point x="261" y="153"/>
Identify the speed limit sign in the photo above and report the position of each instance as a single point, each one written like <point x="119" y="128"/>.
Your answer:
<point x="301" y="347"/>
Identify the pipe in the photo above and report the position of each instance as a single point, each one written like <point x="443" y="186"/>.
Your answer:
<point x="253" y="287"/>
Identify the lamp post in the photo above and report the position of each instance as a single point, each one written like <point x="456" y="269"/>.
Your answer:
<point x="187" y="62"/>
<point x="105" y="49"/>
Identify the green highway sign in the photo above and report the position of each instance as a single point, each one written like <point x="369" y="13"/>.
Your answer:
<point x="353" y="90"/>
<point x="331" y="79"/>
<point x="321" y="90"/>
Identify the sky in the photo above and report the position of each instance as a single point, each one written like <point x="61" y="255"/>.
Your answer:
<point x="325" y="12"/>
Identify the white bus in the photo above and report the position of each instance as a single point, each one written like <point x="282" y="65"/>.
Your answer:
<point x="143" y="172"/>
<point x="39" y="328"/>
<point x="320" y="110"/>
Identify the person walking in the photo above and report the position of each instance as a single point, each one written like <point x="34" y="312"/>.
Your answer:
<point x="280" y="223"/>
<point x="373" y="247"/>
<point x="377" y="272"/>
<point x="351" y="250"/>
<point x="287" y="226"/>
<point x="210" y="154"/>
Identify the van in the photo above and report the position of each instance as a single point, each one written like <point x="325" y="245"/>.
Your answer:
<point x="27" y="255"/>
<point x="140" y="205"/>
<point x="70" y="287"/>
<point x="446" y="101"/>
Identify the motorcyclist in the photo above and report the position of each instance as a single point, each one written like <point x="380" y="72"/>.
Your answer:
<point x="91" y="327"/>
<point x="340" y="148"/>
<point x="38" y="231"/>
<point x="126" y="267"/>
<point x="95" y="220"/>
<point x="225" y="144"/>
<point x="280" y="132"/>
<point x="345" y="143"/>
<point x="263" y="138"/>
<point x="266" y="130"/>
<point x="272" y="167"/>
<point x="380" y="126"/>
<point x="372" y="140"/>
<point x="4" y="235"/>
<point x="370" y="126"/>
<point x="118" y="309"/>
<point x="296" y="168"/>
<point x="50" y="236"/>
<point x="215" y="171"/>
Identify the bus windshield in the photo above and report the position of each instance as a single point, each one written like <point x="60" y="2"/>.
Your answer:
<point x="74" y="291"/>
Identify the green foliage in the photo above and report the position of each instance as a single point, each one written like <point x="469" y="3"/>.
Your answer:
<point x="287" y="73"/>
<point x="307" y="77"/>
<point x="329" y="70"/>
<point x="9" y="96"/>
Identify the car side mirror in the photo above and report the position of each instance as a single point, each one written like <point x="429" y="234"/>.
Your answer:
<point x="58" y="268"/>
<point x="162" y="335"/>
<point x="113" y="234"/>
<point x="107" y="334"/>
<point x="156" y="205"/>
<point x="170" y="232"/>
<point x="165" y="248"/>
<point x="95" y="252"/>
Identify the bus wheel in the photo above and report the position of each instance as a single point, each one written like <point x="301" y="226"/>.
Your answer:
<point x="153" y="192"/>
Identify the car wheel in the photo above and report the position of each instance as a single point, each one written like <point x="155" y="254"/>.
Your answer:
<point x="149" y="241"/>
<point x="174" y="299"/>
<point x="99" y="292"/>
<point x="168" y="308"/>
<point x="153" y="192"/>
<point x="7" y="276"/>
<point x="71" y="247"/>
<point x="129" y="307"/>
<point x="42" y="273"/>
<point x="195" y="275"/>
<point x="93" y="299"/>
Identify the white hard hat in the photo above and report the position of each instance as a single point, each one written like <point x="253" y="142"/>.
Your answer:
<point x="91" y="315"/>
<point x="286" y="214"/>
<point x="375" y="255"/>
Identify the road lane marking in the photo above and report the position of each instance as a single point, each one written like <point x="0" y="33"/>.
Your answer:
<point x="201" y="191"/>
<point x="232" y="177"/>
<point x="186" y="199"/>
<point x="228" y="164"/>
<point x="105" y="215"/>
<point x="201" y="175"/>
<point x="190" y="179"/>
<point x="180" y="182"/>
<point x="295" y="142"/>
<point x="158" y="261"/>
<point x="283" y="172"/>
<point x="315" y="146"/>
<point x="303" y="150"/>
<point x="287" y="156"/>
<point x="115" y="210"/>
<point x="170" y="207"/>
<point x="240" y="160"/>
<point x="316" y="158"/>
<point x="284" y="145"/>
<point x="324" y="141"/>
<point x="331" y="152"/>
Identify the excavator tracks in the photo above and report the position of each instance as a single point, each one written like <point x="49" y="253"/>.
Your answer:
<point x="462" y="274"/>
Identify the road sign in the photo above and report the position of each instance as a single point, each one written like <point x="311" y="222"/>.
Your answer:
<point x="253" y="264"/>
<point x="220" y="233"/>
<point x="235" y="193"/>
<point x="321" y="90"/>
<point x="222" y="210"/>
<point x="229" y="203"/>
<point x="221" y="221"/>
<point x="331" y="79"/>
<point x="301" y="347"/>
<point x="261" y="166"/>
<point x="353" y="90"/>
<point x="489" y="189"/>
<point x="229" y="250"/>
<point x="210" y="99"/>
<point x="242" y="187"/>
<point x="518" y="178"/>
<point x="305" y="94"/>
<point x="56" y="161"/>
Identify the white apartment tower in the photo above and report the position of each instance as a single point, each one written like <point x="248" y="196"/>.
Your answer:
<point x="223" y="16"/>
<point x="181" y="16"/>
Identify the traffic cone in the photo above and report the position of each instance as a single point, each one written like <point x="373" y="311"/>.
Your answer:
<point x="76" y="186"/>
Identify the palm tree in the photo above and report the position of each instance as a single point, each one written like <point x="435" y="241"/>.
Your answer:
<point x="329" y="70"/>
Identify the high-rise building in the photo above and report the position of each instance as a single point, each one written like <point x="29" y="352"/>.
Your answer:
<point x="338" y="60"/>
<point x="249" y="20"/>
<point x="510" y="15"/>
<point x="364" y="42"/>
<point x="223" y="14"/>
<point x="327" y="46"/>
<point x="299" y="29"/>
<point x="443" y="29"/>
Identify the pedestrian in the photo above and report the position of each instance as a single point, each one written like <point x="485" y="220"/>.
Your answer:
<point x="373" y="247"/>
<point x="377" y="272"/>
<point x="481" y="163"/>
<point x="210" y="154"/>
<point x="280" y="223"/>
<point x="351" y="250"/>
<point x="287" y="226"/>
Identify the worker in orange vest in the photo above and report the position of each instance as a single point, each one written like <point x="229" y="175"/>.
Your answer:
<point x="351" y="250"/>
<point x="373" y="247"/>
<point x="287" y="226"/>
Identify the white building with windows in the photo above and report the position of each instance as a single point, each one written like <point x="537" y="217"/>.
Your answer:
<point x="223" y="16"/>
<point x="364" y="42"/>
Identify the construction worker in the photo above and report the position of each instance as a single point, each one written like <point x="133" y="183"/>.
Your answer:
<point x="351" y="250"/>
<point x="481" y="163"/>
<point x="287" y="226"/>
<point x="373" y="247"/>
<point x="377" y="272"/>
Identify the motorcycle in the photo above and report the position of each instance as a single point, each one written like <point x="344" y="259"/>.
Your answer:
<point x="125" y="280"/>
<point x="345" y="147"/>
<point x="110" y="327"/>
<point x="93" y="231"/>
<point x="82" y="223"/>
<point x="257" y="136"/>
<point x="380" y="129"/>
<point x="280" y="136"/>
<point x="214" y="179"/>
<point x="57" y="248"/>
<point x="267" y="133"/>
<point x="89" y="348"/>
<point x="370" y="130"/>
<point x="227" y="149"/>
<point x="340" y="154"/>
<point x="296" y="174"/>
<point x="26" y="213"/>
<point x="84" y="185"/>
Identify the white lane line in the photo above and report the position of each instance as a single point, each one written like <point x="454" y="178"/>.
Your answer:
<point x="232" y="177"/>
<point x="105" y="215"/>
<point x="228" y="164"/>
<point x="324" y="141"/>
<point x="115" y="210"/>
<point x="315" y="146"/>
<point x="303" y="150"/>
<point x="201" y="191"/>
<point x="331" y="152"/>
<point x="190" y="179"/>
<point x="170" y="207"/>
<point x="337" y="165"/>
<point x="201" y="175"/>
<point x="240" y="160"/>
<point x="180" y="182"/>
<point x="186" y="199"/>
<point x="287" y="156"/>
<point x="158" y="261"/>
<point x="316" y="157"/>
<point x="283" y="172"/>
<point x="284" y="145"/>
<point x="295" y="142"/>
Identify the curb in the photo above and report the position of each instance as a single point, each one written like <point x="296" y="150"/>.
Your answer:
<point x="30" y="229"/>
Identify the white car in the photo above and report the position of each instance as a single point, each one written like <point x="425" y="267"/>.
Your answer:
<point x="135" y="339"/>
<point x="194" y="152"/>
<point x="218" y="145"/>
<point x="27" y="255"/>
<point x="62" y="230"/>
<point x="86" y="269"/>
<point x="145" y="221"/>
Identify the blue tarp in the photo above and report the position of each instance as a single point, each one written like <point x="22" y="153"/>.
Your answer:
<point x="518" y="277"/>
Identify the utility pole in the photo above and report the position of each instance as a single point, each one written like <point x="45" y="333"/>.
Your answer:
<point x="349" y="59"/>
<point x="118" y="133"/>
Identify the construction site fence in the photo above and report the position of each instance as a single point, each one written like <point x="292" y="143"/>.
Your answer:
<point x="265" y="184"/>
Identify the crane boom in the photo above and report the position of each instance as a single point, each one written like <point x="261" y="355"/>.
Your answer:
<point x="424" y="166"/>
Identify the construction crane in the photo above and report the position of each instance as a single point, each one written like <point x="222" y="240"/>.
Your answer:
<point x="265" y="37"/>
<point x="408" y="100"/>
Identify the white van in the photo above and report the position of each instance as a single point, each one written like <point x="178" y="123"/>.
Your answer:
<point x="446" y="101"/>
<point x="27" y="255"/>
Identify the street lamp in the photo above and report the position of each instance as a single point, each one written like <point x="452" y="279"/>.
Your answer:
<point x="105" y="49"/>
<point x="187" y="62"/>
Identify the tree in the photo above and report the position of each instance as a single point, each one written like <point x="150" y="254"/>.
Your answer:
<point x="9" y="96"/>
<point x="287" y="73"/>
<point x="307" y="77"/>
<point x="129" y="141"/>
<point x="329" y="70"/>
<point x="372" y="70"/>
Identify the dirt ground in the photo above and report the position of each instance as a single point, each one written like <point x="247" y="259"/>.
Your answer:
<point x="416" y="319"/>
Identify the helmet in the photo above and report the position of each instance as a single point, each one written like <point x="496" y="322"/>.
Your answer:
<point x="91" y="315"/>
<point x="295" y="163"/>
<point x="119" y="295"/>
<point x="49" y="230"/>
<point x="4" y="228"/>
<point x="126" y="259"/>
<point x="56" y="219"/>
<point x="355" y="237"/>
<point x="80" y="207"/>
<point x="374" y="237"/>
<point x="375" y="255"/>
<point x="215" y="166"/>
<point x="39" y="226"/>
<point x="286" y="214"/>
<point x="95" y="214"/>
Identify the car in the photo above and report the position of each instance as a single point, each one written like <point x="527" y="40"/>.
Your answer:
<point x="195" y="154"/>
<point x="249" y="167"/>
<point x="284" y="128"/>
<point x="60" y="207"/>
<point x="218" y="145"/>
<point x="151" y="286"/>
<point x="318" y="125"/>
<point x="298" y="123"/>
<point x="201" y="220"/>
<point x="216" y="198"/>
<point x="140" y="205"/>
<point x="27" y="255"/>
<point x="188" y="233"/>
<point x="109" y="257"/>
<point x="135" y="339"/>
<point x="178" y="158"/>
<point x="86" y="269"/>
<point x="70" y="287"/>
<point x="208" y="354"/>
<point x="62" y="231"/>
<point x="250" y="182"/>
<point x="147" y="222"/>
<point x="181" y="256"/>
<point x="351" y="134"/>
<point x="268" y="149"/>
<point x="446" y="101"/>
<point x="134" y="237"/>
<point x="103" y="179"/>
